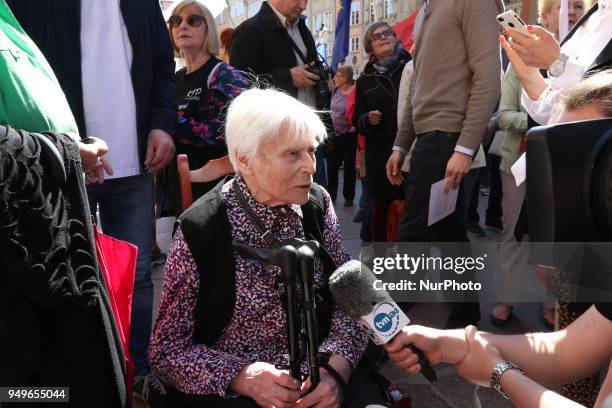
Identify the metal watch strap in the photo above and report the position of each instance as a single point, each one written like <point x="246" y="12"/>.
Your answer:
<point x="498" y="371"/>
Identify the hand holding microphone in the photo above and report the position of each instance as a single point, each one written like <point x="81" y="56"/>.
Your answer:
<point x="352" y="286"/>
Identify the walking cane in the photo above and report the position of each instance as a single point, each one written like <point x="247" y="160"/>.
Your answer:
<point x="296" y="259"/>
<point x="286" y="258"/>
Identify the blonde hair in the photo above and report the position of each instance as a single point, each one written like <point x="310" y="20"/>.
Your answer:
<point x="546" y="6"/>
<point x="250" y="122"/>
<point x="211" y="42"/>
<point x="595" y="90"/>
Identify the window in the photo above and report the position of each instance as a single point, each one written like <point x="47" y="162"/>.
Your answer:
<point x="355" y="13"/>
<point x="389" y="10"/>
<point x="372" y="15"/>
<point x="253" y="8"/>
<point x="237" y="8"/>
<point x="327" y="19"/>
<point x="318" y="22"/>
<point x="329" y="49"/>
<point x="354" y="44"/>
<point x="221" y="18"/>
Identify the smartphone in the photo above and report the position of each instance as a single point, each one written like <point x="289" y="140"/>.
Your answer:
<point x="510" y="20"/>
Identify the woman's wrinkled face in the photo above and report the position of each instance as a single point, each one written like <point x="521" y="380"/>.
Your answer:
<point x="188" y="29"/>
<point x="383" y="42"/>
<point x="282" y="171"/>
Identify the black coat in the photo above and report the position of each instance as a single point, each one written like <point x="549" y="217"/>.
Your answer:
<point x="56" y="322"/>
<point x="375" y="91"/>
<point x="55" y="27"/>
<point x="262" y="46"/>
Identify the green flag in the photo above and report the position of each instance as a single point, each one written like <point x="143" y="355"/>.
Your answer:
<point x="30" y="96"/>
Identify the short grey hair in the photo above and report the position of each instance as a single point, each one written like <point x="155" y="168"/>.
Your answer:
<point x="211" y="42"/>
<point x="257" y="115"/>
<point x="595" y="90"/>
<point x="367" y="37"/>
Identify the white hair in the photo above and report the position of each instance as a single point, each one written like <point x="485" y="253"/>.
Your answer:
<point x="258" y="115"/>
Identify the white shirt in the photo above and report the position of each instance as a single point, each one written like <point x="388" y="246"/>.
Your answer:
<point x="582" y="49"/>
<point x="108" y="96"/>
<point x="306" y="94"/>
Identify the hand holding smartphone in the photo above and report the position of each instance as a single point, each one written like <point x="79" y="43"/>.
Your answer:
<point x="511" y="21"/>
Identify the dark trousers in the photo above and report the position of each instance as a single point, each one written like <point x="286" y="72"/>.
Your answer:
<point x="380" y="214"/>
<point x="428" y="166"/>
<point x="342" y="149"/>
<point x="470" y="186"/>
<point x="494" y="208"/>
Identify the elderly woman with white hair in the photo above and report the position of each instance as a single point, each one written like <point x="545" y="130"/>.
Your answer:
<point x="221" y="333"/>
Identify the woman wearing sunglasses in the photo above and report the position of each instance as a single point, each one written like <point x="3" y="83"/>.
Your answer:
<point x="376" y="117"/>
<point x="203" y="90"/>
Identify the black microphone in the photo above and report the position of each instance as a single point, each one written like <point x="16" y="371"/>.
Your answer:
<point x="352" y="286"/>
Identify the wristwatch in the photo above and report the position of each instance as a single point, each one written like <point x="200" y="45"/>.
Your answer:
<point x="498" y="371"/>
<point x="557" y="68"/>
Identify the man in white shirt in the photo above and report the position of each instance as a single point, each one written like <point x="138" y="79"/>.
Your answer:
<point x="586" y="49"/>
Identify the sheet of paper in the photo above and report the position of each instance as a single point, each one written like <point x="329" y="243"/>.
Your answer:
<point x="441" y="205"/>
<point x="519" y="170"/>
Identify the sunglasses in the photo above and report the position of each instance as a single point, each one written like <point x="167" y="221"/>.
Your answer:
<point x="382" y="34"/>
<point x="193" y="20"/>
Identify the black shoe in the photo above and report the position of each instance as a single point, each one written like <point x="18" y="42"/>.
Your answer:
<point x="150" y="389"/>
<point x="358" y="217"/>
<point x="474" y="229"/>
<point x="496" y="225"/>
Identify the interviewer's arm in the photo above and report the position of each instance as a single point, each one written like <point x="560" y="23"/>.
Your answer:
<point x="581" y="349"/>
<point x="560" y="357"/>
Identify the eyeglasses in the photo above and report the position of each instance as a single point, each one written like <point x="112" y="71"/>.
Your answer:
<point x="193" y="20"/>
<point x="382" y="34"/>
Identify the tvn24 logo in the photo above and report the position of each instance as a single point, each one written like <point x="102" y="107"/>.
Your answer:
<point x="386" y="317"/>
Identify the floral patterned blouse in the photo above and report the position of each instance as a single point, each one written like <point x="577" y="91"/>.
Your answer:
<point x="256" y="331"/>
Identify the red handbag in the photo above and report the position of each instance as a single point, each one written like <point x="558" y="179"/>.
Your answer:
<point x="117" y="261"/>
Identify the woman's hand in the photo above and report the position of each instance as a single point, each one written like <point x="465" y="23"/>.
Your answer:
<point x="374" y="117"/>
<point x="532" y="81"/>
<point x="539" y="51"/>
<point x="480" y="359"/>
<point x="267" y="385"/>
<point x="327" y="394"/>
<point x="439" y="346"/>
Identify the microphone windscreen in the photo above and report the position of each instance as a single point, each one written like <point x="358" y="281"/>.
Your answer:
<point x="352" y="286"/>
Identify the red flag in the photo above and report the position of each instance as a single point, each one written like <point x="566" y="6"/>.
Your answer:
<point x="404" y="30"/>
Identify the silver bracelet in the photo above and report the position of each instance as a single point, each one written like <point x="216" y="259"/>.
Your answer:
<point x="498" y="371"/>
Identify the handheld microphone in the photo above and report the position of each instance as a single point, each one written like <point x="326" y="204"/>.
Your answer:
<point x="352" y="286"/>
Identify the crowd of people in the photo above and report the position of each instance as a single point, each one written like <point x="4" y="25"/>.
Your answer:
<point x="254" y="109"/>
